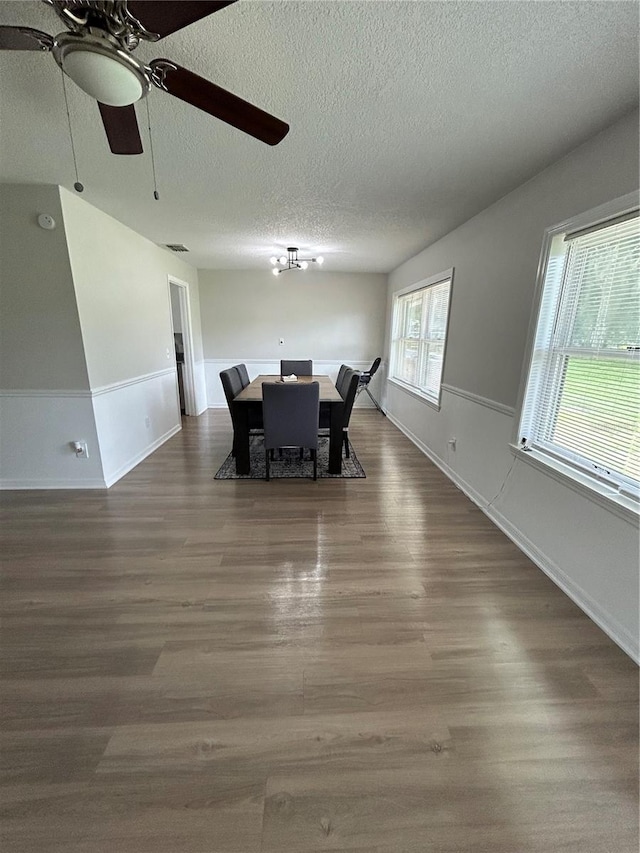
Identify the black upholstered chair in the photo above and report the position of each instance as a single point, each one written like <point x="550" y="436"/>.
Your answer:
<point x="341" y="372"/>
<point x="232" y="386"/>
<point x="290" y="416"/>
<point x="300" y="368"/>
<point x="243" y="373"/>
<point x="348" y="389"/>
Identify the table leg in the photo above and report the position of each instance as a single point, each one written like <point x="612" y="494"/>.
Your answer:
<point x="335" y="438"/>
<point x="241" y="437"/>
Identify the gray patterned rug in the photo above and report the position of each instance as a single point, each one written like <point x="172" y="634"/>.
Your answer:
<point x="289" y="465"/>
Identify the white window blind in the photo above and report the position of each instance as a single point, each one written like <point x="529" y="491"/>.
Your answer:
<point x="418" y="341"/>
<point x="582" y="401"/>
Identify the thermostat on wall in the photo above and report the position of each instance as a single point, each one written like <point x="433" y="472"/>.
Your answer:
<point x="46" y="221"/>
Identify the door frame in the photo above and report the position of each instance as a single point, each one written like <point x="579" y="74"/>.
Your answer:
<point x="188" y="371"/>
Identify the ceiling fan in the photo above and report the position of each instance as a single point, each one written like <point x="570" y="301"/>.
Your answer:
<point x="96" y="53"/>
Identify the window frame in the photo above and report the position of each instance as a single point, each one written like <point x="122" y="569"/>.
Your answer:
<point x="423" y="284"/>
<point x="590" y="483"/>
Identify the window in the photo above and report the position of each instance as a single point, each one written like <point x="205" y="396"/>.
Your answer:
<point x="582" y="398"/>
<point x="420" y="318"/>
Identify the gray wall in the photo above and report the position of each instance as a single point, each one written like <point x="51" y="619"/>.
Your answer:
<point x="321" y="315"/>
<point x="496" y="255"/>
<point x="40" y="338"/>
<point x="588" y="545"/>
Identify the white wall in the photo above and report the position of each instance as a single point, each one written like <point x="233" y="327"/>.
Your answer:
<point x="332" y="318"/>
<point x="123" y="297"/>
<point x="589" y="550"/>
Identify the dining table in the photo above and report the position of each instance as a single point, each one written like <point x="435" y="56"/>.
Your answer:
<point x="252" y="396"/>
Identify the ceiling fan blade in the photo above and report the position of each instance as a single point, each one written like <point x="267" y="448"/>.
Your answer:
<point x="24" y="38"/>
<point x="164" y="18"/>
<point x="217" y="102"/>
<point x="121" y="127"/>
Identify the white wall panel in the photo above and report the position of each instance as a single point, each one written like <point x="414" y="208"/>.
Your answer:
<point x="36" y="432"/>
<point x="255" y="367"/>
<point x="133" y="419"/>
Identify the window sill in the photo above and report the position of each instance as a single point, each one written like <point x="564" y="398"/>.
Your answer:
<point x="413" y="392"/>
<point x="606" y="496"/>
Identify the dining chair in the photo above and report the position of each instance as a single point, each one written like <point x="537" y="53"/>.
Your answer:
<point x="365" y="379"/>
<point x="341" y="373"/>
<point x="243" y="373"/>
<point x="290" y="417"/>
<point x="350" y="382"/>
<point x="232" y="386"/>
<point x="300" y="368"/>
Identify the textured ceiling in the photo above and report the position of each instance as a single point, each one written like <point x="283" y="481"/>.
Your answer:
<point x="407" y="118"/>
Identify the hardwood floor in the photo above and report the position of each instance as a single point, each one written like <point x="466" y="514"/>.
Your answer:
<point x="200" y="666"/>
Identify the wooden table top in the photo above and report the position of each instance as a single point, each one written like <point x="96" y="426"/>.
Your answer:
<point x="253" y="392"/>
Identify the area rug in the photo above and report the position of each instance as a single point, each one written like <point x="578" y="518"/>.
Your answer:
<point x="289" y="465"/>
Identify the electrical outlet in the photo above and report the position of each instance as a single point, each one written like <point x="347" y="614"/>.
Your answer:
<point x="80" y="449"/>
<point x="147" y="422"/>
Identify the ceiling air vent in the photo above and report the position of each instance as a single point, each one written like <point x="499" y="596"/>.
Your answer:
<point x="176" y="247"/>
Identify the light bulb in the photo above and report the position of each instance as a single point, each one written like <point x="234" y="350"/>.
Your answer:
<point x="282" y="260"/>
<point x="320" y="260"/>
<point x="276" y="272"/>
<point x="304" y="265"/>
<point x="273" y="260"/>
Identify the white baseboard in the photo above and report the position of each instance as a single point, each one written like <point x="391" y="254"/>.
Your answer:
<point x="608" y="623"/>
<point x="17" y="485"/>
<point x="139" y="457"/>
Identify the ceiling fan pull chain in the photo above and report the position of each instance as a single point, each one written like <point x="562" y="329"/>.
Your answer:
<point x="78" y="187"/>
<point x="153" y="162"/>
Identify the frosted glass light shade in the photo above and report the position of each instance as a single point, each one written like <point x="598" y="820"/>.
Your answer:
<point x="103" y="77"/>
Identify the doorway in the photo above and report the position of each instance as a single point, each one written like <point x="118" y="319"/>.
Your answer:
<point x="183" y="345"/>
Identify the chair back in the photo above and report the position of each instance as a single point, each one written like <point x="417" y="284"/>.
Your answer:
<point x="366" y="375"/>
<point x="350" y="385"/>
<point x="243" y="374"/>
<point x="341" y="372"/>
<point x="290" y="414"/>
<point x="300" y="368"/>
<point x="231" y="384"/>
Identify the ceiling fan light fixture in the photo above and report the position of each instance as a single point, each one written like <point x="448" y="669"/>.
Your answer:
<point x="101" y="69"/>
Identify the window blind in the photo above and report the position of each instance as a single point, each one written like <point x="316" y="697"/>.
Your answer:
<point x="582" y="402"/>
<point x="419" y="332"/>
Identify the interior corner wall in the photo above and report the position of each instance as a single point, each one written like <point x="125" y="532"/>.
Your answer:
<point x="45" y="401"/>
<point x="121" y="282"/>
<point x="588" y="550"/>
<point x="330" y="317"/>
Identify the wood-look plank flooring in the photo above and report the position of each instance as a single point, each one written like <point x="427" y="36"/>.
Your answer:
<point x="201" y="666"/>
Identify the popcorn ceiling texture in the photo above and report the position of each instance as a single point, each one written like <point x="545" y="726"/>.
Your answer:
<point x="407" y="118"/>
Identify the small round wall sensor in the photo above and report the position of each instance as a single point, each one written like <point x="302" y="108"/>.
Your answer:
<point x="78" y="187"/>
<point x="46" y="221"/>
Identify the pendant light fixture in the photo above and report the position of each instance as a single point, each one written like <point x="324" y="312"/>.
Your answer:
<point x="291" y="261"/>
